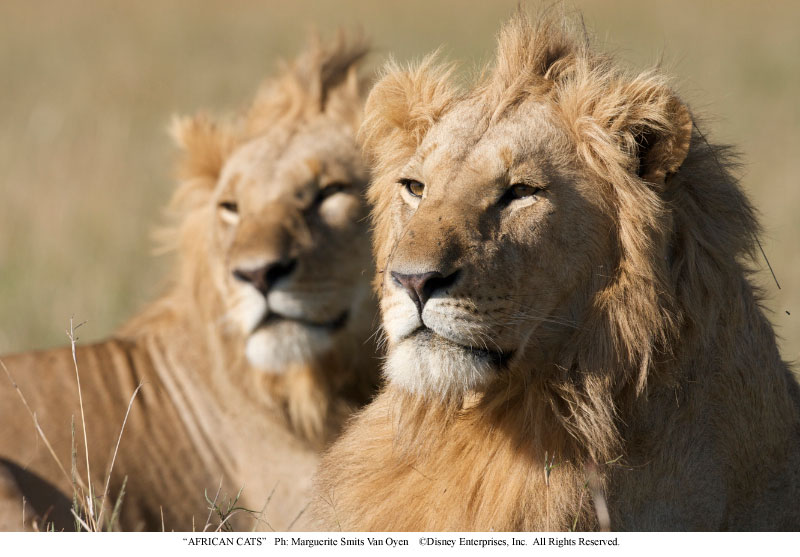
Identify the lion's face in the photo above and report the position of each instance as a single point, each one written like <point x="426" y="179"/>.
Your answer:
<point x="291" y="241"/>
<point x="493" y="229"/>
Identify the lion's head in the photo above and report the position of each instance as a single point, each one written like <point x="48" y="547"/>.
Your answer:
<point x="540" y="230"/>
<point x="562" y="270"/>
<point x="272" y="203"/>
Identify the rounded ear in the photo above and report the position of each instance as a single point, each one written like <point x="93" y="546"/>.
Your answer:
<point x="345" y="102"/>
<point x="661" y="150"/>
<point x="401" y="108"/>
<point x="341" y="88"/>
<point x="205" y="145"/>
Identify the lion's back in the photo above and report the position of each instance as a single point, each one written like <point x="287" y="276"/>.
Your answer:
<point x="40" y="398"/>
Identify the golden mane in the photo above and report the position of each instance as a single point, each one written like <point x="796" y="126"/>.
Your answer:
<point x="610" y="114"/>
<point x="675" y="300"/>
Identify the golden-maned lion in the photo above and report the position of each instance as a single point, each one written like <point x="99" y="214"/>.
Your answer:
<point x="254" y="356"/>
<point x="573" y="341"/>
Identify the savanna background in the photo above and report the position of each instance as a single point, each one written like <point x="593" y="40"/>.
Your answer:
<point x="89" y="87"/>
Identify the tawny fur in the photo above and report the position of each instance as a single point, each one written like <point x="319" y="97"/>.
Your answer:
<point x="637" y="350"/>
<point x="205" y="416"/>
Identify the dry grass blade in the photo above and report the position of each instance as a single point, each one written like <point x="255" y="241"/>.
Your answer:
<point x="212" y="505"/>
<point x="260" y="517"/>
<point x="223" y="525"/>
<point x="90" y="494"/>
<point x="578" y="512"/>
<point x="764" y="254"/>
<point x="302" y="511"/>
<point x="232" y="508"/>
<point x="117" y="506"/>
<point x="83" y="499"/>
<point x="80" y="521"/>
<point x="548" y="468"/>
<point x="114" y="458"/>
<point x="74" y="468"/>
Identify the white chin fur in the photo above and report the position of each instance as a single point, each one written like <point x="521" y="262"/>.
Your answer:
<point x="276" y="348"/>
<point x="250" y="310"/>
<point x="435" y="372"/>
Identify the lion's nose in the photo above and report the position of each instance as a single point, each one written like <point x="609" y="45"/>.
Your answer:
<point x="421" y="286"/>
<point x="264" y="278"/>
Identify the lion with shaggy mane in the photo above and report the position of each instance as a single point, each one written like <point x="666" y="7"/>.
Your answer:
<point x="255" y="355"/>
<point x="573" y="341"/>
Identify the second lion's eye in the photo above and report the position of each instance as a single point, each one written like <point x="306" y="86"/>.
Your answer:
<point x="332" y="189"/>
<point x="229" y="206"/>
<point x="413" y="187"/>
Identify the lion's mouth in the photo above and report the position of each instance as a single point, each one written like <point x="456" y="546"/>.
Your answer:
<point x="498" y="358"/>
<point x="272" y="318"/>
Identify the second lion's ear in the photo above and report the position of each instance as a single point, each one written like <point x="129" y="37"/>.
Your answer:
<point x="204" y="145"/>
<point x="662" y="150"/>
<point x="401" y="108"/>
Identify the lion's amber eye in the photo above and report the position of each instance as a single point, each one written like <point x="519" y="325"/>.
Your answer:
<point x="520" y="191"/>
<point x="413" y="187"/>
<point x="229" y="206"/>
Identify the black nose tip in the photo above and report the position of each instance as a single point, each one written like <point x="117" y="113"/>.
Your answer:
<point x="421" y="286"/>
<point x="264" y="278"/>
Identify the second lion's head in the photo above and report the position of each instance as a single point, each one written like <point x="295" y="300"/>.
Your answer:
<point x="271" y="226"/>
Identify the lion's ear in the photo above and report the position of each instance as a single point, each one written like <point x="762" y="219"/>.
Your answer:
<point x="662" y="148"/>
<point x="401" y="108"/>
<point x="345" y="101"/>
<point x="341" y="88"/>
<point x="205" y="145"/>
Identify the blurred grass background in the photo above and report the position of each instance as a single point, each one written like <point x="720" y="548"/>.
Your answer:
<point x="88" y="88"/>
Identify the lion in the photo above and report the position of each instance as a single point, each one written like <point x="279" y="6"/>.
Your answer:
<point x="573" y="339"/>
<point x="256" y="353"/>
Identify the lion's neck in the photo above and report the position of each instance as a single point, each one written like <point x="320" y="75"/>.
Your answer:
<point x="311" y="399"/>
<point x="478" y="464"/>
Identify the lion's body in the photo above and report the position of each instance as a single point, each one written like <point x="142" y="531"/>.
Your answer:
<point x="254" y="357"/>
<point x="573" y="341"/>
<point x="185" y="434"/>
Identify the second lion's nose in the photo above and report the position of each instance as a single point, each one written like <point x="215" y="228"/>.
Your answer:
<point x="263" y="278"/>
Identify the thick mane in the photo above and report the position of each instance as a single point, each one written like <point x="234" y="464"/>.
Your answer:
<point x="321" y="80"/>
<point x="683" y="227"/>
<point x="659" y="386"/>
<point x="683" y="232"/>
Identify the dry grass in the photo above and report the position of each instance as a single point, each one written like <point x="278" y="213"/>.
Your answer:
<point x="90" y="86"/>
<point x="88" y="508"/>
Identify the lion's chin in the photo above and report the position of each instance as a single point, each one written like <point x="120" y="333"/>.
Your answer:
<point x="434" y="367"/>
<point x="279" y="347"/>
